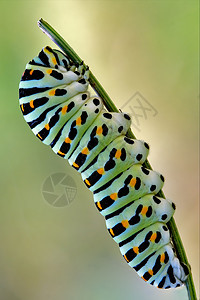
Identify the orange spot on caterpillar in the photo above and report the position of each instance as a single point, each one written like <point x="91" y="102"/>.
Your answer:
<point x="162" y="258"/>
<point x="31" y="72"/>
<point x="132" y="182"/>
<point x="61" y="153"/>
<point x="78" y="121"/>
<point x="143" y="278"/>
<point x="54" y="61"/>
<point x="75" y="165"/>
<point x="49" y="71"/>
<point x="136" y="249"/>
<point x="118" y="154"/>
<point x="47" y="126"/>
<point x="39" y="136"/>
<point x="113" y="196"/>
<point x="22" y="107"/>
<point x="125" y="223"/>
<point x="87" y="182"/>
<point x="153" y="237"/>
<point x="126" y="258"/>
<point x="67" y="140"/>
<point x="64" y="109"/>
<point x="111" y="231"/>
<point x="100" y="171"/>
<point x="31" y="104"/>
<point x="85" y="151"/>
<point x="144" y="210"/>
<point x="52" y="92"/>
<point x="46" y="50"/>
<point x="99" y="205"/>
<point x="99" y="130"/>
<point x="150" y="271"/>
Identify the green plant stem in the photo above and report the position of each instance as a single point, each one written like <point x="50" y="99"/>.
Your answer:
<point x="65" y="47"/>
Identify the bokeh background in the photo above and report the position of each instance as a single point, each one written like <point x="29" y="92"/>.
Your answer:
<point x="150" y="47"/>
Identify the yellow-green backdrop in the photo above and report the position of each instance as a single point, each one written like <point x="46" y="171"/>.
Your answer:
<point x="148" y="47"/>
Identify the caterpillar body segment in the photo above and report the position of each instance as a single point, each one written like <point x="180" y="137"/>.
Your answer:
<point x="70" y="134"/>
<point x="138" y="215"/>
<point x="56" y="104"/>
<point x="103" y="131"/>
<point x="125" y="187"/>
<point x="117" y="157"/>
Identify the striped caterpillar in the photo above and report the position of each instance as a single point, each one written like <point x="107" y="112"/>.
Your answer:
<point x="59" y="109"/>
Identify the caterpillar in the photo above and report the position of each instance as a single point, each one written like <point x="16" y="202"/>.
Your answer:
<point x="57" y="105"/>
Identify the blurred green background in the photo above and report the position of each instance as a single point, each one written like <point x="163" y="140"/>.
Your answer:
<point x="148" y="46"/>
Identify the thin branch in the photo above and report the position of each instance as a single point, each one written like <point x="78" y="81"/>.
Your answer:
<point x="65" y="47"/>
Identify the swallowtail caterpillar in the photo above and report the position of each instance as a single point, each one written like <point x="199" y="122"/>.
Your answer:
<point x="59" y="109"/>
